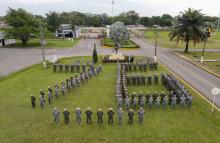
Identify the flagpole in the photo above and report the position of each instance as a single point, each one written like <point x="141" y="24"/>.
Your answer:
<point x="113" y="7"/>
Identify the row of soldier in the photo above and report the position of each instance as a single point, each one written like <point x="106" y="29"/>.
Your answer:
<point x="100" y="116"/>
<point x="70" y="83"/>
<point x="176" y="88"/>
<point x="153" y="99"/>
<point x="141" y="79"/>
<point x="142" y="67"/>
<point x="121" y="88"/>
<point x="76" y="67"/>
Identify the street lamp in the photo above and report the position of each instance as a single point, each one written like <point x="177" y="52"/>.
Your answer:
<point x="203" y="51"/>
<point x="214" y="91"/>
<point x="42" y="41"/>
<point x="156" y="42"/>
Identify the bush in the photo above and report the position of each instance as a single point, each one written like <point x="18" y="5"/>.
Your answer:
<point x="106" y="59"/>
<point x="130" y="44"/>
<point x="94" y="55"/>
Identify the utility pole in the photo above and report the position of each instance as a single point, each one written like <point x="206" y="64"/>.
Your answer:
<point x="113" y="3"/>
<point x="203" y="51"/>
<point x="156" y="42"/>
<point x="42" y="46"/>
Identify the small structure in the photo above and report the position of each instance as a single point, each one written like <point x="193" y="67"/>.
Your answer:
<point x="2" y="39"/>
<point x="108" y="31"/>
<point x="116" y="56"/>
<point x="66" y="31"/>
<point x="4" y="25"/>
<point x="92" y="32"/>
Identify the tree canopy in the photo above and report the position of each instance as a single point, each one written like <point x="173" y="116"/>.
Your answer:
<point x="53" y="21"/>
<point x="23" y="24"/>
<point x="189" y="26"/>
<point x="119" y="34"/>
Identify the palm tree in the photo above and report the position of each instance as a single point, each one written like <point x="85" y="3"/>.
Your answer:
<point x="189" y="26"/>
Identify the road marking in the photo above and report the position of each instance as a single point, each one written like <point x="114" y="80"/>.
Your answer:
<point x="200" y="78"/>
<point x="179" y="65"/>
<point x="194" y="74"/>
<point x="203" y="97"/>
<point x="89" y="45"/>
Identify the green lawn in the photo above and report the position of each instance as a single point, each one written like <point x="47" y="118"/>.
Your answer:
<point x="213" y="41"/>
<point x="207" y="56"/>
<point x="22" y="124"/>
<point x="51" y="43"/>
<point x="130" y="44"/>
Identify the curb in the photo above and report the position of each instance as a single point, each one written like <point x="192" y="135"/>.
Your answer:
<point x="199" y="94"/>
<point x="125" y="49"/>
<point x="205" y="69"/>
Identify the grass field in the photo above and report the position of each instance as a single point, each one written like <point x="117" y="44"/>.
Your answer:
<point x="22" y="124"/>
<point x="51" y="43"/>
<point x="207" y="56"/>
<point x="164" y="41"/>
<point x="108" y="42"/>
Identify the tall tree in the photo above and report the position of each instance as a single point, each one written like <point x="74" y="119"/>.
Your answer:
<point x="189" y="26"/>
<point x="23" y="24"/>
<point x="94" y="21"/>
<point x="133" y="17"/>
<point x="146" y="21"/>
<point x="119" y="34"/>
<point x="166" y="20"/>
<point x="94" y="55"/>
<point x="157" y="20"/>
<point x="53" y="21"/>
<point x="104" y="19"/>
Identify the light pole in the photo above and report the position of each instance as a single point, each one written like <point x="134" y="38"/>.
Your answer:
<point x="156" y="42"/>
<point x="42" y="46"/>
<point x="203" y="51"/>
<point x="214" y="91"/>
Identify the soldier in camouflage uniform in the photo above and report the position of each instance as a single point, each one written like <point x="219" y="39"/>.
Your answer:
<point x="141" y="115"/>
<point x="56" y="115"/>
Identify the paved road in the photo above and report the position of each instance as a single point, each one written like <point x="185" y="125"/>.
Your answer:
<point x="15" y="59"/>
<point x="201" y="80"/>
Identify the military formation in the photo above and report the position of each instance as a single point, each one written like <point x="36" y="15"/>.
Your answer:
<point x="121" y="89"/>
<point x="64" y="87"/>
<point x="140" y="66"/>
<point x="135" y="79"/>
<point x="157" y="100"/>
<point x="177" y="94"/>
<point x="72" y="68"/>
<point x="99" y="116"/>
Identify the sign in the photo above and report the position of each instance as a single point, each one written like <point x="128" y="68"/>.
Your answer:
<point x="215" y="91"/>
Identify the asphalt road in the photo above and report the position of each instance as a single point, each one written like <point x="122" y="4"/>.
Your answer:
<point x="15" y="59"/>
<point x="12" y="60"/>
<point x="199" y="79"/>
